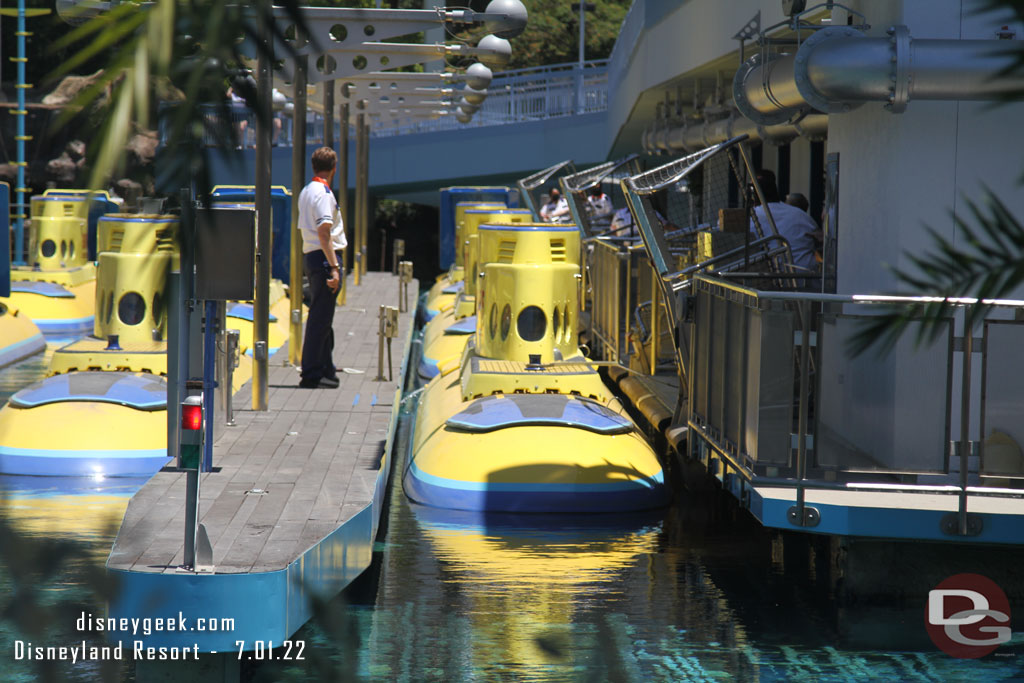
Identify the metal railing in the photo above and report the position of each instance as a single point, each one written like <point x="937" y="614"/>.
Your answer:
<point x="774" y="390"/>
<point x="515" y="96"/>
<point x="523" y="95"/>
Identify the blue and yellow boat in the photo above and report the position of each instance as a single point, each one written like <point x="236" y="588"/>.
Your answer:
<point x="57" y="287"/>
<point x="107" y="394"/>
<point x="522" y="422"/>
<point x="102" y="409"/>
<point x="19" y="336"/>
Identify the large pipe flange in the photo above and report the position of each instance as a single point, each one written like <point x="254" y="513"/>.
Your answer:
<point x="739" y="94"/>
<point x="803" y="81"/>
<point x="899" y="94"/>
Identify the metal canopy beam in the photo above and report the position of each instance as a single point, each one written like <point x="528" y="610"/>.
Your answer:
<point x="341" y="62"/>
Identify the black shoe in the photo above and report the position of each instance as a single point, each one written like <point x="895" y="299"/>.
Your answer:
<point x="322" y="383"/>
<point x="330" y="382"/>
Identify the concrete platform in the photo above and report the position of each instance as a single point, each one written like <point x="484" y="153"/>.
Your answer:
<point x="292" y="511"/>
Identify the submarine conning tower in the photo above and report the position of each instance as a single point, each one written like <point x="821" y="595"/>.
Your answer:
<point x="528" y="292"/>
<point x="136" y="253"/>
<point x="470" y="241"/>
<point x="58" y="236"/>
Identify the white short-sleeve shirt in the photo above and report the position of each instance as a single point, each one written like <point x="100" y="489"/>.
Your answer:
<point x="317" y="205"/>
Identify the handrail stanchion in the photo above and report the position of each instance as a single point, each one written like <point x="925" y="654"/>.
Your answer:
<point x="965" y="423"/>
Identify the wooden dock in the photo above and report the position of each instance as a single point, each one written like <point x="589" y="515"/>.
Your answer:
<point x="294" y="502"/>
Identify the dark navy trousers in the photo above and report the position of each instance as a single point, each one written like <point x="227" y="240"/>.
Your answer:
<point x="318" y="344"/>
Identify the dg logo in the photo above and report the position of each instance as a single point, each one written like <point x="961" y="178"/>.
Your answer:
<point x="968" y="616"/>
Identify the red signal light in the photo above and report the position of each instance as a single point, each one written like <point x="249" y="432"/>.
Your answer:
<point x="191" y="416"/>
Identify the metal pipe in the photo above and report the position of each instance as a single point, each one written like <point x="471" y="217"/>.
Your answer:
<point x="357" y="252"/>
<point x="364" y="219"/>
<point x="261" y="304"/>
<point x="298" y="182"/>
<point x="343" y="181"/>
<point x="965" y="424"/>
<point x="209" y="380"/>
<point x="838" y="68"/>
<point x="20" y="190"/>
<point x="691" y="138"/>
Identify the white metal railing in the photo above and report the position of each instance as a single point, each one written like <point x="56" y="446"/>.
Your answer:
<point x="514" y="96"/>
<point x="528" y="95"/>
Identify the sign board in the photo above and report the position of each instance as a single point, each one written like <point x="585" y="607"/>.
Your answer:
<point x="225" y="253"/>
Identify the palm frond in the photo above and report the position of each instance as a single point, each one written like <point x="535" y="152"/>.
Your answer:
<point x="985" y="263"/>
<point x="192" y="45"/>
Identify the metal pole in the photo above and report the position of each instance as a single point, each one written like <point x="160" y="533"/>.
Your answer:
<point x="231" y="353"/>
<point x="328" y="113"/>
<point x="365" y="219"/>
<point x="20" y="190"/>
<point x="357" y="250"/>
<point x="343" y="181"/>
<point x="801" y="420"/>
<point x="261" y="305"/>
<point x="965" y="425"/>
<point x="579" y="72"/>
<point x="298" y="182"/>
<point x="209" y="357"/>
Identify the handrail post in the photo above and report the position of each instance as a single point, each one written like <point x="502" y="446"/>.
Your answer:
<point x="801" y="442"/>
<point x="965" y="424"/>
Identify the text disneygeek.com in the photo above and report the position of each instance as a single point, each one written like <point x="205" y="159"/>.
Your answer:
<point x="120" y="628"/>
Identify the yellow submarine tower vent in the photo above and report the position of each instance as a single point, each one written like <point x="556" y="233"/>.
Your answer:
<point x="136" y="253"/>
<point x="60" y="231"/>
<point x="528" y="292"/>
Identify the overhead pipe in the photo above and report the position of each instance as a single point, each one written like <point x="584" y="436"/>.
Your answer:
<point x="838" y="68"/>
<point x="669" y="137"/>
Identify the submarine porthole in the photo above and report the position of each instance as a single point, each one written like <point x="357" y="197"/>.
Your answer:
<point x="71" y="249"/>
<point x="556" y="323"/>
<point x="110" y="306"/>
<point x="63" y="248"/>
<point x="506" y="321"/>
<point x="158" y="307"/>
<point x="48" y="248"/>
<point x="531" y="324"/>
<point x="565" y="325"/>
<point x="131" y="309"/>
<point x="493" y="324"/>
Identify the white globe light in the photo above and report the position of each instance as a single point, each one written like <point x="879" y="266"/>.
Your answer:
<point x="515" y="21"/>
<point x="478" y="76"/>
<point x="474" y="96"/>
<point x="499" y="51"/>
<point x="463" y="117"/>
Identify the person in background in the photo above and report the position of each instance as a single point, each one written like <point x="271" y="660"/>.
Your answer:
<point x="323" y="238"/>
<point x="599" y="202"/>
<point x="557" y="208"/>
<point x="793" y="224"/>
<point x="799" y="201"/>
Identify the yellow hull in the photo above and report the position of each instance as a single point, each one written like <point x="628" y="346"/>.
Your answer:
<point x="19" y="337"/>
<point x="93" y="438"/>
<point x="522" y="465"/>
<point x="60" y="303"/>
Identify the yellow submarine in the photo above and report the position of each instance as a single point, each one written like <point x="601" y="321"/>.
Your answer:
<point x="57" y="288"/>
<point x="441" y="296"/>
<point x="445" y="334"/>
<point x="102" y="408"/>
<point x="521" y="422"/>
